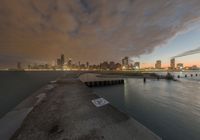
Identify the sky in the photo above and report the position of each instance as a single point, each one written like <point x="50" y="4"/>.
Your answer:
<point x="180" y="44"/>
<point x="38" y="31"/>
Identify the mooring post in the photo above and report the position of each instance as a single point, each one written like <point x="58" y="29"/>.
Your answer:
<point x="144" y="79"/>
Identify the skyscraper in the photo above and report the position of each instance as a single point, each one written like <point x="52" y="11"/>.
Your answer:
<point x="62" y="59"/>
<point x="172" y="63"/>
<point x="125" y="62"/>
<point x="158" y="64"/>
<point x="87" y="64"/>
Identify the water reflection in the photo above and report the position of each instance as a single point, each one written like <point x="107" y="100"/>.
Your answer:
<point x="170" y="109"/>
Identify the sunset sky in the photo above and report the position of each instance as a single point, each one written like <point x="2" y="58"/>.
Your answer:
<point x="188" y="40"/>
<point x="38" y="31"/>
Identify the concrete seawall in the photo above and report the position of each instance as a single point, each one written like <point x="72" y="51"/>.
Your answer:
<point x="13" y="119"/>
<point x="95" y="80"/>
<point x="67" y="113"/>
<point x="103" y="83"/>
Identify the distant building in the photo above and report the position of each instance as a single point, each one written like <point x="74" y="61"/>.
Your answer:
<point x="19" y="65"/>
<point x="104" y="65"/>
<point x="194" y="67"/>
<point x="112" y="65"/>
<point x="180" y="66"/>
<point x="137" y="65"/>
<point x="29" y="66"/>
<point x="58" y="62"/>
<point x="158" y="64"/>
<point x="125" y="62"/>
<point x="79" y="65"/>
<point x="69" y="63"/>
<point x="87" y="65"/>
<point x="62" y="59"/>
<point x="47" y="66"/>
<point x="118" y="66"/>
<point x="172" y="63"/>
<point x="82" y="66"/>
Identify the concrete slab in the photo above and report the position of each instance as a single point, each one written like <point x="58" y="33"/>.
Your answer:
<point x="67" y="113"/>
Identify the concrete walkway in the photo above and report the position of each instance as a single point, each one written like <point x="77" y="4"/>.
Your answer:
<point x="67" y="113"/>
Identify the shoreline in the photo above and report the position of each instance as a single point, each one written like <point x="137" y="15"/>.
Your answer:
<point x="43" y="96"/>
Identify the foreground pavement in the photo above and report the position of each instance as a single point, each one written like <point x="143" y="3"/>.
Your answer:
<point x="67" y="113"/>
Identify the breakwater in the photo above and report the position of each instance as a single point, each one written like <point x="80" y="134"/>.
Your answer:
<point x="67" y="112"/>
<point x="15" y="86"/>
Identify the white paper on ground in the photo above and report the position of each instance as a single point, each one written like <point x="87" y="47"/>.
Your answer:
<point x="100" y="102"/>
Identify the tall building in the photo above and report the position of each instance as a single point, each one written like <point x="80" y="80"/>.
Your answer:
<point x="137" y="65"/>
<point x="87" y="64"/>
<point x="172" y="63"/>
<point x="125" y="62"/>
<point x="62" y="59"/>
<point x="58" y="62"/>
<point x="19" y="65"/>
<point x="158" y="64"/>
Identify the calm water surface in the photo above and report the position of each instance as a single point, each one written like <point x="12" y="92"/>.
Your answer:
<point x="16" y="86"/>
<point x="170" y="109"/>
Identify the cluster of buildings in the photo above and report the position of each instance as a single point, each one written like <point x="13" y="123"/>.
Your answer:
<point x="174" y="66"/>
<point x="64" y="63"/>
<point x="180" y="66"/>
<point x="127" y="65"/>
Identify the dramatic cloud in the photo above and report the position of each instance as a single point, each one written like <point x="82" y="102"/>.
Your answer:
<point x="195" y="51"/>
<point x="93" y="30"/>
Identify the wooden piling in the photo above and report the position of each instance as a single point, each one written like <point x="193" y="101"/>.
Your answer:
<point x="144" y="79"/>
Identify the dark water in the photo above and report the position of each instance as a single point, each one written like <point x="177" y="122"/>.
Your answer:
<point x="170" y="109"/>
<point x="16" y="86"/>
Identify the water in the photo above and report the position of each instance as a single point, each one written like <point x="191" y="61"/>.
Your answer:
<point x="16" y="86"/>
<point x="170" y="109"/>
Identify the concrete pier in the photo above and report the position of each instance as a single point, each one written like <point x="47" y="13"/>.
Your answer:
<point x="67" y="113"/>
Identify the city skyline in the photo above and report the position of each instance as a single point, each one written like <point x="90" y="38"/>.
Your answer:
<point x="65" y="63"/>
